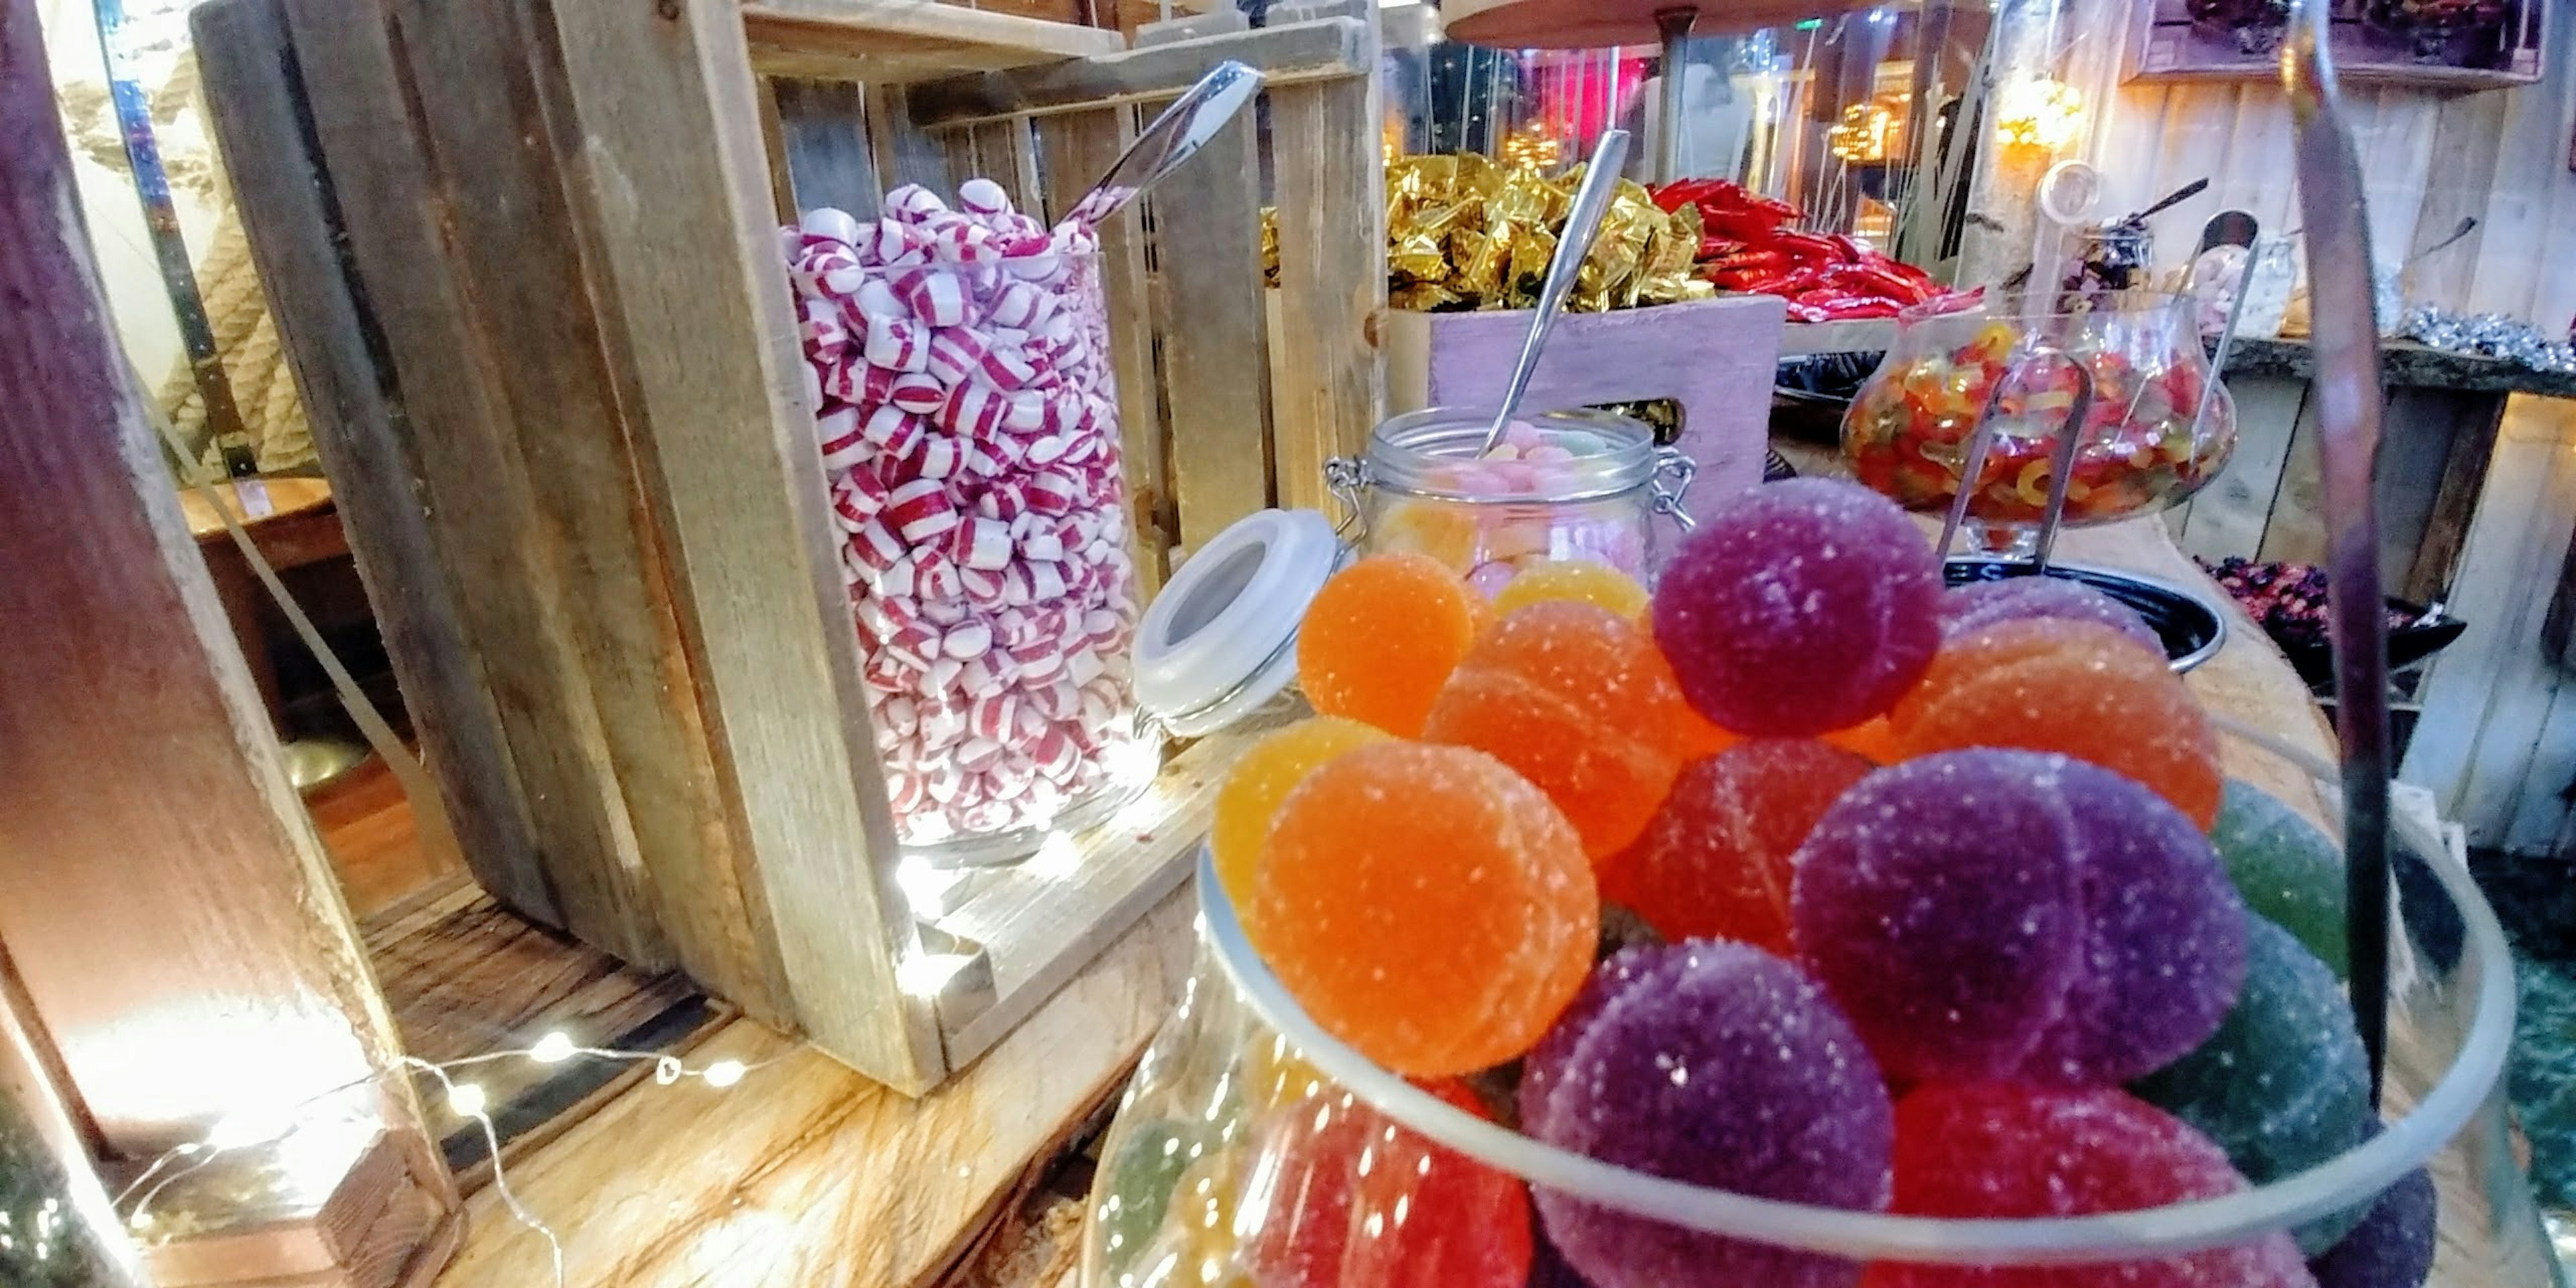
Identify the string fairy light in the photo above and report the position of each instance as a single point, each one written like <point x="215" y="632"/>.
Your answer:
<point x="466" y="1099"/>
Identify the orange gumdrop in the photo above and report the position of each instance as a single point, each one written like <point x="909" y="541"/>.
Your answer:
<point x="1570" y="695"/>
<point x="1427" y="906"/>
<point x="2076" y="688"/>
<point x="1262" y="777"/>
<point x="1871" y="739"/>
<point x="1687" y="734"/>
<point x="1381" y="638"/>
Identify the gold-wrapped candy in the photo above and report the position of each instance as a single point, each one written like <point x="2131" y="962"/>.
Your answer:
<point x="1468" y="232"/>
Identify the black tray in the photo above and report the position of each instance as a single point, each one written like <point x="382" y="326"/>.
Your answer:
<point x="2190" y="626"/>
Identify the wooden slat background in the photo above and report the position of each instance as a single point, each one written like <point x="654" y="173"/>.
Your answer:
<point x="2428" y="160"/>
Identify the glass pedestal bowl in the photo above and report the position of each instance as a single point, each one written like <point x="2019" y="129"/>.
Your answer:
<point x="2129" y="369"/>
<point x="1255" y="1150"/>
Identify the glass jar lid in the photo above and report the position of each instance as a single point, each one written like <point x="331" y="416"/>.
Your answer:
<point x="1220" y="640"/>
<point x="1548" y="456"/>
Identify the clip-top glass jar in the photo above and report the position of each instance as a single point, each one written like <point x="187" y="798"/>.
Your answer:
<point x="1561" y="486"/>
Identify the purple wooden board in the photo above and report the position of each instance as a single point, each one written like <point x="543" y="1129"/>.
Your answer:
<point x="1714" y="357"/>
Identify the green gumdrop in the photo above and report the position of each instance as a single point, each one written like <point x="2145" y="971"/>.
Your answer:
<point x="2283" y="1084"/>
<point x="2288" y="871"/>
<point x="1141" y="1179"/>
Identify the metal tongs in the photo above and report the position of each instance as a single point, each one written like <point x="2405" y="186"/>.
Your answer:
<point x="2345" y="334"/>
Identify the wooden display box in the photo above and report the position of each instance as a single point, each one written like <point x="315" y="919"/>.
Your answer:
<point x="524" y="256"/>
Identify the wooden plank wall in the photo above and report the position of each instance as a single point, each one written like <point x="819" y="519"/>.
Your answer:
<point x="2428" y="160"/>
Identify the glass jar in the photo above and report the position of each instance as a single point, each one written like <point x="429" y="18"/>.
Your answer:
<point x="1254" y="1149"/>
<point x="2156" y="427"/>
<point x="969" y="435"/>
<point x="1566" y="485"/>
<point x="61" y="1231"/>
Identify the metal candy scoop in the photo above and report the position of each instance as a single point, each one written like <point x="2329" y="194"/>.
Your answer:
<point x="1172" y="138"/>
<point x="1600" y="176"/>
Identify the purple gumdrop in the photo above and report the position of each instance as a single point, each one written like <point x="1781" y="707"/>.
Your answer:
<point x="1799" y="608"/>
<point x="1937" y="900"/>
<point x="1990" y="914"/>
<point x="2392" y="1247"/>
<point x="1720" y="1065"/>
<point x="2164" y="937"/>
<point x="1983" y="603"/>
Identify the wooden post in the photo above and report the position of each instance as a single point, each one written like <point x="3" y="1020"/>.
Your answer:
<point x="172" y="919"/>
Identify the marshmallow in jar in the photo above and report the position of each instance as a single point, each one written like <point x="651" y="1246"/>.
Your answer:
<point x="969" y="433"/>
<point x="1557" y="487"/>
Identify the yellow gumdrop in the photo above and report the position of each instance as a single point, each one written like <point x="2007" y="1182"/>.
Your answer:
<point x="1444" y="532"/>
<point x="1276" y="1074"/>
<point x="1261" y="779"/>
<point x="1597" y="584"/>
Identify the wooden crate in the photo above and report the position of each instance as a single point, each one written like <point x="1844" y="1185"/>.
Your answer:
<point x="524" y="256"/>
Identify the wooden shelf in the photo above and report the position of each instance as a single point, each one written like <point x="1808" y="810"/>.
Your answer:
<point x="892" y="41"/>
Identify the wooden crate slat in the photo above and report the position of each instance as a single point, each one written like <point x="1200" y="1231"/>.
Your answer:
<point x="823" y="144"/>
<point x="1216" y="373"/>
<point x="1332" y="209"/>
<point x="1005" y="154"/>
<point x="888" y="41"/>
<point x="2229" y="516"/>
<point x="520" y="266"/>
<point x="1079" y="147"/>
<point x="693" y="296"/>
<point x="1043" y="922"/>
<point x="904" y="154"/>
<point x="1284" y="55"/>
<point x="391" y="234"/>
<point x="398" y="549"/>
<point x="2296" y="530"/>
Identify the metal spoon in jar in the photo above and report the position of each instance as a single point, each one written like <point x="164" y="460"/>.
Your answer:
<point x="1174" y="137"/>
<point x="1600" y="176"/>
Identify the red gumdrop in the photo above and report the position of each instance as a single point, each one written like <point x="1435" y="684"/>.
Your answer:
<point x="1715" y="862"/>
<point x="1360" y="1200"/>
<point x="1998" y="1150"/>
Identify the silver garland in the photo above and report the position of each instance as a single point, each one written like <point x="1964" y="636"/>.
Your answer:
<point x="2491" y="335"/>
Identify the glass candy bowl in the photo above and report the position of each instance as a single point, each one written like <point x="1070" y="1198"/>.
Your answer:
<point x="1255" y="1151"/>
<point x="2146" y="442"/>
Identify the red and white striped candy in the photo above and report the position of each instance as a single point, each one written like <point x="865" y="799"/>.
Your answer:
<point x="1046" y="449"/>
<point x="908" y="793"/>
<point x="897" y="345"/>
<point x="875" y="544"/>
<point x="972" y="410"/>
<point x="1053" y="492"/>
<point x="983" y="197"/>
<point x="1021" y="304"/>
<point x="917" y="392"/>
<point x="900" y="713"/>
<point x="1042" y="545"/>
<point x="984" y="587"/>
<point x="971" y="640"/>
<point x="979" y="543"/>
<point x="934" y="295"/>
<point x="825" y="269"/>
<point x="892" y="429"/>
<point x="875" y="299"/>
<point x="977" y="679"/>
<point x="1038" y="661"/>
<point x="900" y="578"/>
<point x="939" y="581"/>
<point x="846" y="450"/>
<point x="987" y="461"/>
<point x="889" y="243"/>
<point x="825" y="335"/>
<point x="938" y="456"/>
<point x="853" y="380"/>
<point x="963" y="241"/>
<point x="1007" y="366"/>
<point x="954" y="354"/>
<point x="975" y="755"/>
<point x="1056" y="755"/>
<point x="1082" y="666"/>
<point x="852" y="504"/>
<point x="1025" y="412"/>
<point x="913" y="204"/>
<point x="831" y="225"/>
<point x="1043" y="267"/>
<point x="995" y="717"/>
<point x="921" y="509"/>
<point x="941" y="678"/>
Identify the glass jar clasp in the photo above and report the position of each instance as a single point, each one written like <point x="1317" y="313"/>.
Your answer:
<point x="1669" y="487"/>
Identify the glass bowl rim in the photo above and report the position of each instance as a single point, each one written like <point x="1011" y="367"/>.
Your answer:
<point x="2355" y="1176"/>
<point x="1403" y="452"/>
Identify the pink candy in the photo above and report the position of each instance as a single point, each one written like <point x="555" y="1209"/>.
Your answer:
<point x="969" y="427"/>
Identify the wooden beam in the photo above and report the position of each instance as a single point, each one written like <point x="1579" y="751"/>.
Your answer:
<point x="256" y="102"/>
<point x="886" y="41"/>
<point x="1216" y="366"/>
<point x="1330" y="387"/>
<point x="656" y="125"/>
<point x="1288" y="55"/>
<point x="823" y="136"/>
<point x="171" y="918"/>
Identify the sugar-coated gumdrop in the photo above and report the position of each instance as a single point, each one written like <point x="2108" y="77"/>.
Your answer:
<point x="1580" y="580"/>
<point x="1382" y="636"/>
<point x="2286" y="868"/>
<point x="1196" y="1247"/>
<point x="1991" y="914"/>
<point x="1997" y="1150"/>
<point x="1442" y="532"/>
<point x="1714" y="863"/>
<point x="1799" y="607"/>
<point x="2393" y="1245"/>
<point x="1869" y="740"/>
<point x="1142" y="1176"/>
<point x="1426" y="905"/>
<point x="1262" y="777"/>
<point x="1687" y="734"/>
<point x="1567" y="694"/>
<point x="1720" y="1065"/>
<point x="1984" y="603"/>
<point x="1362" y="1200"/>
<point x="2070" y="687"/>
<point x="2283" y="1084"/>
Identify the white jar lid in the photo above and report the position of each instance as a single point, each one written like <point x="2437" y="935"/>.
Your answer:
<point x="1220" y="640"/>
